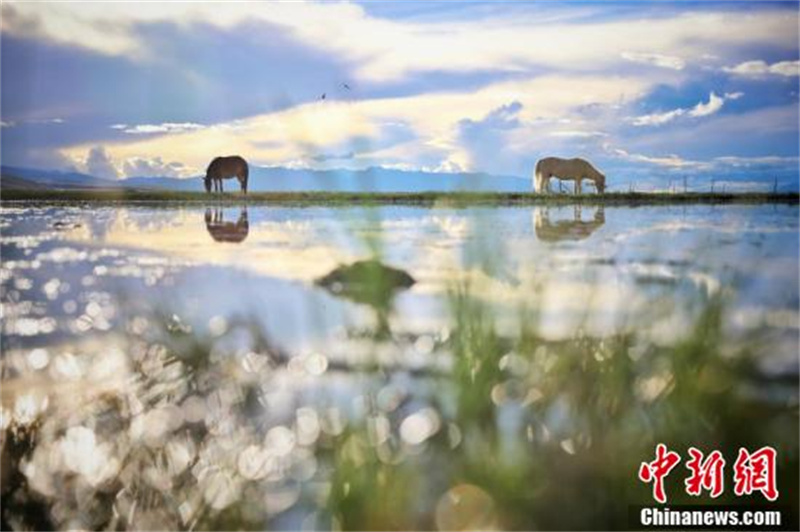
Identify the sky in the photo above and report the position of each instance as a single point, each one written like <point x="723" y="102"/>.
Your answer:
<point x="651" y="93"/>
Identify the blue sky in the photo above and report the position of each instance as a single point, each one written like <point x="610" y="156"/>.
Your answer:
<point x="651" y="92"/>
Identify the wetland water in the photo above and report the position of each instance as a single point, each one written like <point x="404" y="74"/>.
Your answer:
<point x="518" y="383"/>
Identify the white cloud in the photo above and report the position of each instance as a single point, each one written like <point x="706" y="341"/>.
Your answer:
<point x="46" y="121"/>
<point x="421" y="130"/>
<point x="711" y="135"/>
<point x="766" y="160"/>
<point x="155" y="167"/>
<point x="383" y="49"/>
<point x="166" y="127"/>
<point x="578" y="134"/>
<point x="669" y="161"/>
<point x="659" y="60"/>
<point x="656" y="119"/>
<point x="99" y="164"/>
<point x="712" y="106"/>
<point x="762" y="68"/>
<point x="673" y="161"/>
<point x="37" y="121"/>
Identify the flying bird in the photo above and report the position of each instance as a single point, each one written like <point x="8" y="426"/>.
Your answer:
<point x="346" y="86"/>
<point x="322" y="97"/>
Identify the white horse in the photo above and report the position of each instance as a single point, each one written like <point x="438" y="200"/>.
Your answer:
<point x="566" y="169"/>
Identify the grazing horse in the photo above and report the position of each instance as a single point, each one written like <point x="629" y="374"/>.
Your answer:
<point x="225" y="168"/>
<point x="566" y="169"/>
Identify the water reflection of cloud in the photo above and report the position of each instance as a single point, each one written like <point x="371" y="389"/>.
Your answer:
<point x="639" y="257"/>
<point x="278" y="249"/>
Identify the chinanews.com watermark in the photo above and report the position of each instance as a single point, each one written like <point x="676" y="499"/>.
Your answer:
<point x="753" y="480"/>
<point x="712" y="517"/>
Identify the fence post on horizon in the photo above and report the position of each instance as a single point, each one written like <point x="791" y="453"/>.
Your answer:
<point x="712" y="185"/>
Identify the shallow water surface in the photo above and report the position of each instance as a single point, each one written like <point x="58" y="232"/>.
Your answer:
<point x="538" y="356"/>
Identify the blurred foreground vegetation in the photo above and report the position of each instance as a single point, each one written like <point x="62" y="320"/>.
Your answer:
<point x="505" y="432"/>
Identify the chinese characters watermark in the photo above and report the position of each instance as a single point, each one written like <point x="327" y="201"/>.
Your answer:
<point x="752" y="472"/>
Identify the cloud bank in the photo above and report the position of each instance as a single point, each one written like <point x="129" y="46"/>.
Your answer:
<point x="160" y="88"/>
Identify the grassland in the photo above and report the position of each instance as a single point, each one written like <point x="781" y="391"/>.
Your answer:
<point x="397" y="198"/>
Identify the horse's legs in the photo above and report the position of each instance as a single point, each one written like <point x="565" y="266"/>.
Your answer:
<point x="221" y="190"/>
<point x="578" y="186"/>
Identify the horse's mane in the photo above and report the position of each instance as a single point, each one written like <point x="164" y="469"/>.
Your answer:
<point x="213" y="163"/>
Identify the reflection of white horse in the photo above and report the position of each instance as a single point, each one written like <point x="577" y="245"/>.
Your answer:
<point x="574" y="229"/>
<point x="566" y="169"/>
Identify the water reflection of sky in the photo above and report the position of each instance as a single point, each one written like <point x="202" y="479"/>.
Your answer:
<point x="595" y="266"/>
<point x="81" y="288"/>
<point x="69" y="272"/>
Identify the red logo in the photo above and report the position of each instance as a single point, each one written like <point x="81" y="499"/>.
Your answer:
<point x="659" y="468"/>
<point x="752" y="472"/>
<point x="706" y="474"/>
<point x="756" y="472"/>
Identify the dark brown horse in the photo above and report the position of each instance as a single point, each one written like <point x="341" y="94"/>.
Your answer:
<point x="225" y="168"/>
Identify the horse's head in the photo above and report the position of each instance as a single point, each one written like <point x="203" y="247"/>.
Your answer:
<point x="601" y="183"/>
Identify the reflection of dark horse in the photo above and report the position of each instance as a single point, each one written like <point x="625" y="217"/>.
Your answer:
<point x="575" y="229"/>
<point x="223" y="231"/>
<point x="226" y="168"/>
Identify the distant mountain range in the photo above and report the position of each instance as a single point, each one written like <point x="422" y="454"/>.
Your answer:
<point x="277" y="179"/>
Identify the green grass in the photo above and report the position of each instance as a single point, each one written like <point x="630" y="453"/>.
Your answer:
<point x="396" y="198"/>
